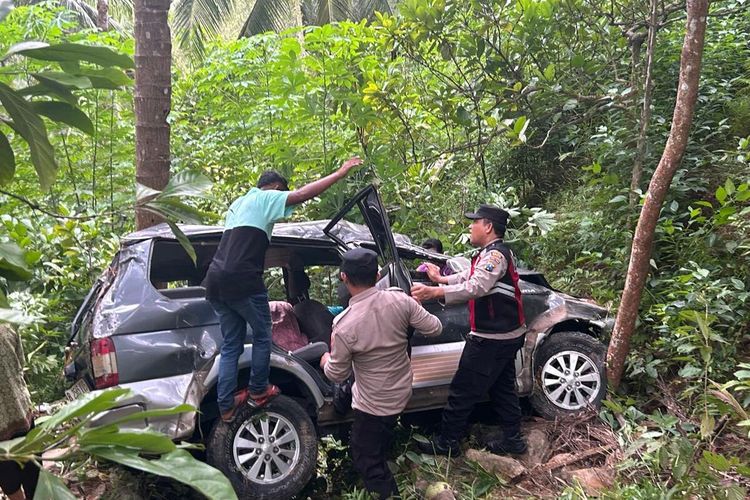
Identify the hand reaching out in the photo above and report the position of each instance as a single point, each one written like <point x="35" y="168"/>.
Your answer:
<point x="350" y="164"/>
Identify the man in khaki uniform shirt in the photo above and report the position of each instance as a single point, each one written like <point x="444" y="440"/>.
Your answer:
<point x="497" y="323"/>
<point x="370" y="338"/>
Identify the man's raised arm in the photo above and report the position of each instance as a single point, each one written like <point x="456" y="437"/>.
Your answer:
<point x="313" y="189"/>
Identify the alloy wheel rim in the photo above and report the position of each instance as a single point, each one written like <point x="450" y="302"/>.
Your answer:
<point x="571" y="380"/>
<point x="266" y="448"/>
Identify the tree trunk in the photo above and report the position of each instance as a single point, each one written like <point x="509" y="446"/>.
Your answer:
<point x="687" y="94"/>
<point x="153" y="92"/>
<point x="102" y="8"/>
<point x="635" y="182"/>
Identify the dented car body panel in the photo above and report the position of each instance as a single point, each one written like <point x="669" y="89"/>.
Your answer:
<point x="166" y="340"/>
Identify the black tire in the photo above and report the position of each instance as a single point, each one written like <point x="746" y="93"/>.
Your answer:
<point x="566" y="348"/>
<point x="301" y="451"/>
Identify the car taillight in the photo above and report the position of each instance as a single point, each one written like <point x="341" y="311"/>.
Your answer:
<point x="104" y="363"/>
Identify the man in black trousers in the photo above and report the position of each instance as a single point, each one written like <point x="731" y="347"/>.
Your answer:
<point x="370" y="338"/>
<point x="498" y="326"/>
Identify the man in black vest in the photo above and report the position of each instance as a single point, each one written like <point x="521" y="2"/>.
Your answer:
<point x="498" y="326"/>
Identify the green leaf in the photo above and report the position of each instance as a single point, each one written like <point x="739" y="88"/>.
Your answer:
<point x="729" y="187"/>
<point x="414" y="457"/>
<point x="178" y="465"/>
<point x="15" y="317"/>
<point x="51" y="487"/>
<point x="143" y="441"/>
<point x="12" y="263"/>
<point x="707" y="426"/>
<point x="49" y="88"/>
<point x="65" y="113"/>
<point x="142" y="192"/>
<point x="578" y="61"/>
<point x="102" y="56"/>
<point x="596" y="167"/>
<point x="114" y="76"/>
<point x="721" y="194"/>
<point x="27" y="123"/>
<point x="91" y="402"/>
<point x="618" y="199"/>
<point x="142" y="415"/>
<point x="520" y="126"/>
<point x="549" y="72"/>
<point x="718" y="462"/>
<point x="7" y="160"/>
<point x="20" y="47"/>
<point x="174" y="209"/>
<point x="183" y="240"/>
<point x="64" y="79"/>
<point x="187" y="183"/>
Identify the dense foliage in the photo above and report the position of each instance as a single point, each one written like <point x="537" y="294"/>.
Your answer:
<point x="533" y="105"/>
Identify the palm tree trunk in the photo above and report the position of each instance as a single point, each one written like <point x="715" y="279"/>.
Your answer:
<point x="102" y="8"/>
<point x="687" y="95"/>
<point x="153" y="92"/>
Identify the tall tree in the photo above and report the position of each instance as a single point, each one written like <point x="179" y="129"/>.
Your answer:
<point x="153" y="98"/>
<point x="102" y="9"/>
<point x="687" y="95"/>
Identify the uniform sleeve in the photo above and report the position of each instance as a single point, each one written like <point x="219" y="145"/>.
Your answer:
<point x="275" y="205"/>
<point x="339" y="365"/>
<point x="458" y="277"/>
<point x="425" y="323"/>
<point x="490" y="268"/>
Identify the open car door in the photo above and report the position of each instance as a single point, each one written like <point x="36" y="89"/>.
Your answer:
<point x="372" y="211"/>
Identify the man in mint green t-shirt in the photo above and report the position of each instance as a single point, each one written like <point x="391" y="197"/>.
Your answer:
<point x="234" y="282"/>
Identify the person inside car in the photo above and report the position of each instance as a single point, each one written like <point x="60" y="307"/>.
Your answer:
<point x="496" y="318"/>
<point x="436" y="246"/>
<point x="370" y="338"/>
<point x="234" y="282"/>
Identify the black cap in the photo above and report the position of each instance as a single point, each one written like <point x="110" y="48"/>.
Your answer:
<point x="359" y="261"/>
<point x="490" y="212"/>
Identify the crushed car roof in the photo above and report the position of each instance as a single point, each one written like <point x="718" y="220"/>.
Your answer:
<point x="347" y="231"/>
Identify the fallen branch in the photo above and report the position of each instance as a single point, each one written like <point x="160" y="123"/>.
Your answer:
<point x="573" y="458"/>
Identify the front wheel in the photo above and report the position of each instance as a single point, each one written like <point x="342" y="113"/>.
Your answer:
<point x="266" y="453"/>
<point x="569" y="375"/>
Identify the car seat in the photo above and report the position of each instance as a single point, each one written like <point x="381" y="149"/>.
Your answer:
<point x="315" y="320"/>
<point x="286" y="334"/>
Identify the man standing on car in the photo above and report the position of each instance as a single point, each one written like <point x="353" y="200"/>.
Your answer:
<point x="234" y="282"/>
<point x="497" y="322"/>
<point x="370" y="337"/>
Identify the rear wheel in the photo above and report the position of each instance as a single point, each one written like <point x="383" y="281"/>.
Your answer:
<point x="266" y="453"/>
<point x="569" y="375"/>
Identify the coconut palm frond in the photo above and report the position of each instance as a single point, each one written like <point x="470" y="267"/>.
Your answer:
<point x="310" y="11"/>
<point x="196" y="21"/>
<point x="270" y="15"/>
<point x="330" y="11"/>
<point x="366" y="9"/>
<point x="85" y="13"/>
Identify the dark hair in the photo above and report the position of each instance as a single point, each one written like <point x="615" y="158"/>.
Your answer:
<point x="361" y="278"/>
<point x="272" y="177"/>
<point x="497" y="227"/>
<point x="433" y="243"/>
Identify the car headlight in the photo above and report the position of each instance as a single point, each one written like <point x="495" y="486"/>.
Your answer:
<point x="606" y="325"/>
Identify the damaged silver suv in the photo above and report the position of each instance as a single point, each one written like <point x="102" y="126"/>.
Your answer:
<point x="146" y="325"/>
